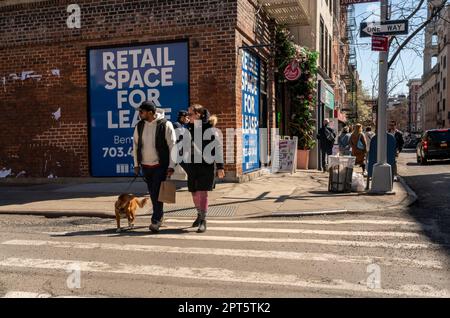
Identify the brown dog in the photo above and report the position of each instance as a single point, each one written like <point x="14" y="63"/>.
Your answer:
<point x="126" y="206"/>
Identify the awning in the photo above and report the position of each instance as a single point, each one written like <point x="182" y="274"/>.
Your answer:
<point x="288" y="12"/>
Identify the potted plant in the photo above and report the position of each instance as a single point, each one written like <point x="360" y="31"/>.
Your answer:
<point x="302" y="92"/>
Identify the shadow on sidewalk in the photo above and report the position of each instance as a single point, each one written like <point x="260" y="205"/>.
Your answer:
<point x="135" y="232"/>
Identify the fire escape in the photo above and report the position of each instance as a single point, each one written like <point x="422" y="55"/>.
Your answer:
<point x="350" y="78"/>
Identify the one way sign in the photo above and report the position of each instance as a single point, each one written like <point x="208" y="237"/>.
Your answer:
<point x="393" y="27"/>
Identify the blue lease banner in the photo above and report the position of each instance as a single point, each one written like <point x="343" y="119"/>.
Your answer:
<point x="120" y="79"/>
<point x="250" y="112"/>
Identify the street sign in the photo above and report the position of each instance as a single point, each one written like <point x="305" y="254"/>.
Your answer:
<point x="380" y="43"/>
<point x="349" y="2"/>
<point x="393" y="27"/>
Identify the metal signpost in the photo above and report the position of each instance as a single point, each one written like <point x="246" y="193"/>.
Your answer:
<point x="382" y="171"/>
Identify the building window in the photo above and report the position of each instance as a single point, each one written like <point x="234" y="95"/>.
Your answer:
<point x="445" y="62"/>
<point x="330" y="55"/>
<point x="434" y="39"/>
<point x="434" y="61"/>
<point x="321" y="48"/>
<point x="443" y="104"/>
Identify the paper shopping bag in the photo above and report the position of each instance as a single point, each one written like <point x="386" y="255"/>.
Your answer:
<point x="167" y="192"/>
<point x="179" y="174"/>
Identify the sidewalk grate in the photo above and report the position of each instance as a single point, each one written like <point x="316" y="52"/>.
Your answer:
<point x="180" y="210"/>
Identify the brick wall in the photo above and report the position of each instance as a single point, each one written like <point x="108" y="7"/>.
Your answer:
<point x="34" y="37"/>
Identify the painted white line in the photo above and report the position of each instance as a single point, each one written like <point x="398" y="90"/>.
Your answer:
<point x="312" y="232"/>
<point x="218" y="274"/>
<point x="310" y="222"/>
<point x="197" y="237"/>
<point x="22" y="294"/>
<point x="317" y="232"/>
<point x="322" y="257"/>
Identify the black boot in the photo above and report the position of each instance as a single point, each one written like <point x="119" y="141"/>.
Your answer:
<point x="202" y="226"/>
<point x="197" y="221"/>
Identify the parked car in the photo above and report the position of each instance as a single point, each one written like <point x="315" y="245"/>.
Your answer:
<point x="435" y="144"/>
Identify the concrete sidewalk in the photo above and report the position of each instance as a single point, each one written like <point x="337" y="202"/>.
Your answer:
<point x="302" y="193"/>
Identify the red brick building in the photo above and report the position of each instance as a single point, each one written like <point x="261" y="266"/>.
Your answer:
<point x="44" y="70"/>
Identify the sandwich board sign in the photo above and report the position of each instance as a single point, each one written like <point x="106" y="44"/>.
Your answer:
<point x="287" y="148"/>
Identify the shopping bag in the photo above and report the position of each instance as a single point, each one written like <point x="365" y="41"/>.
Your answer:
<point x="167" y="192"/>
<point x="179" y="174"/>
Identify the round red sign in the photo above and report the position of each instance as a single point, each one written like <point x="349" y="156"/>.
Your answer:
<point x="292" y="72"/>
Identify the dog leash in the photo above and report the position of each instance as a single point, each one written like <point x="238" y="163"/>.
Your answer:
<point x="129" y="185"/>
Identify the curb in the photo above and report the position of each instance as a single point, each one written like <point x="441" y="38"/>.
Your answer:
<point x="413" y="196"/>
<point x="51" y="214"/>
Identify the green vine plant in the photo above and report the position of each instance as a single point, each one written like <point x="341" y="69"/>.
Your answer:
<point x="303" y="91"/>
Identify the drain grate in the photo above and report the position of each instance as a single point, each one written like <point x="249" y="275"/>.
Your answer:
<point x="180" y="210"/>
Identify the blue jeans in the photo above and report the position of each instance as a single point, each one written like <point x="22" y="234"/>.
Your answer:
<point x="153" y="177"/>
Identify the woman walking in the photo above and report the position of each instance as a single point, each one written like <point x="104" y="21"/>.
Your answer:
<point x="201" y="175"/>
<point x="359" y="146"/>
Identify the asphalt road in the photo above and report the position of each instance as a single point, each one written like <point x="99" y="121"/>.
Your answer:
<point x="431" y="183"/>
<point x="384" y="254"/>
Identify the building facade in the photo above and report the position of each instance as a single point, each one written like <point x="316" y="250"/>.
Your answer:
<point x="69" y="93"/>
<point x="434" y="93"/>
<point x="414" y="109"/>
<point x="319" y="35"/>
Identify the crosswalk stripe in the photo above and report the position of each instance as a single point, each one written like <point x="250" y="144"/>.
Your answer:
<point x="19" y="294"/>
<point x="22" y="294"/>
<point x="216" y="274"/>
<point x="324" y="257"/>
<point x="310" y="222"/>
<point x="313" y="232"/>
<point x="317" y="232"/>
<point x="197" y="237"/>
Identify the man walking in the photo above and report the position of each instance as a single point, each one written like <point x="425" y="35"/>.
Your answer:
<point x="398" y="135"/>
<point x="326" y="137"/>
<point x="153" y="140"/>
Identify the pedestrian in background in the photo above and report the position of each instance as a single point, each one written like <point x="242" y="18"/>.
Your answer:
<point x="326" y="137"/>
<point x="182" y="120"/>
<point x="369" y="135"/>
<point x="344" y="142"/>
<point x="201" y="175"/>
<point x="398" y="135"/>
<point x="359" y="146"/>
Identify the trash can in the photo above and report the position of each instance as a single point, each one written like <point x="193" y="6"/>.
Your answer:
<point x="341" y="170"/>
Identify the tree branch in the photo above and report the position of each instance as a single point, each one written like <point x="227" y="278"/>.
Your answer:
<point x="436" y="13"/>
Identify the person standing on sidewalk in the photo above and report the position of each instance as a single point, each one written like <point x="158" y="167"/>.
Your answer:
<point x="398" y="135"/>
<point x="344" y="142"/>
<point x="326" y="137"/>
<point x="153" y="140"/>
<point x="201" y="175"/>
<point x="369" y="135"/>
<point x="359" y="146"/>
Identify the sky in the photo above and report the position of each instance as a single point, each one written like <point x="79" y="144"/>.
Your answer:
<point x="409" y="64"/>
